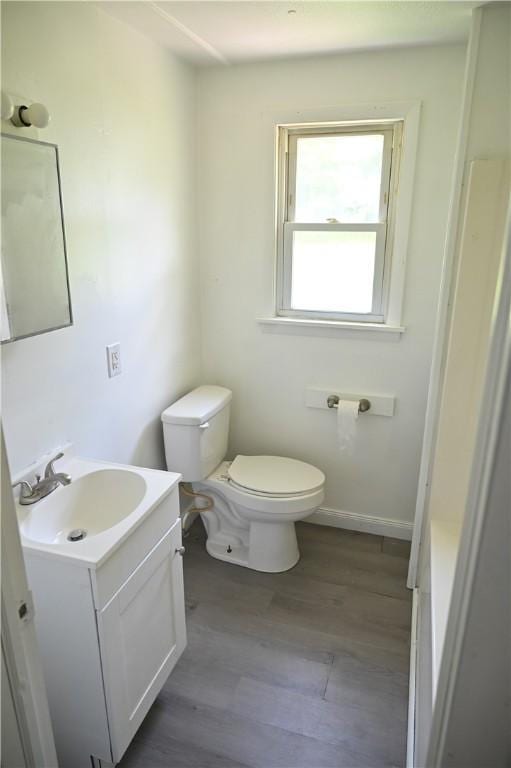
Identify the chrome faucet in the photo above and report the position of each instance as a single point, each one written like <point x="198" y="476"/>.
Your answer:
<point x="60" y="477"/>
<point x="32" y="492"/>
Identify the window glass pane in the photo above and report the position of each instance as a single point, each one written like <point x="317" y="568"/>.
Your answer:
<point x="333" y="271"/>
<point x="338" y="177"/>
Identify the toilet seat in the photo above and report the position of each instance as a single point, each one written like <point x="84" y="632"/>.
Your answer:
<point x="274" y="476"/>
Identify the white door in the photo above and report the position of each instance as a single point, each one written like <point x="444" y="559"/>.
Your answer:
<point x="25" y="713"/>
<point x="142" y="635"/>
<point x="12" y="753"/>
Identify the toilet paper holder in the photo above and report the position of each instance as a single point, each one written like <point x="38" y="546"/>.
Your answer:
<point x="363" y="405"/>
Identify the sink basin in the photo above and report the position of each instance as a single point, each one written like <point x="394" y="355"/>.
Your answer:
<point x="91" y="504"/>
<point x="86" y="521"/>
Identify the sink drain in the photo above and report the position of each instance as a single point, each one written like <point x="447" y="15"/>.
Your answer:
<point x="77" y="534"/>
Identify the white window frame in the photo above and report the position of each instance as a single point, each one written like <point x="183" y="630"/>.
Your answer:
<point x="288" y="135"/>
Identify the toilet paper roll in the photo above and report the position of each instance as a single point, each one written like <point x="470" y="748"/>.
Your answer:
<point x="347" y="415"/>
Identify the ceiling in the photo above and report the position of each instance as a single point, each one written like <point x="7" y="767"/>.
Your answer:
<point x="232" y="31"/>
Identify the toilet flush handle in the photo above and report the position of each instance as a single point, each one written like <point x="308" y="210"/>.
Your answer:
<point x="204" y="426"/>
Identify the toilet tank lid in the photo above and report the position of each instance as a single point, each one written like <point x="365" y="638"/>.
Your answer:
<point x="197" y="406"/>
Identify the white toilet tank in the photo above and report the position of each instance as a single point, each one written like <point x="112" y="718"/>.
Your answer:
<point x="195" y="431"/>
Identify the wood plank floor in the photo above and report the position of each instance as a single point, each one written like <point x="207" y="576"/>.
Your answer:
<point x="304" y="668"/>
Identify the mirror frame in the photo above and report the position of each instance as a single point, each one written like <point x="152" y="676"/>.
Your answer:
<point x="6" y="135"/>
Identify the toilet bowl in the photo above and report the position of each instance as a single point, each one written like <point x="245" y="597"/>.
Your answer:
<point x="257" y="499"/>
<point x="252" y="521"/>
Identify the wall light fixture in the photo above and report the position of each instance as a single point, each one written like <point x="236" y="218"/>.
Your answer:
<point x="35" y="114"/>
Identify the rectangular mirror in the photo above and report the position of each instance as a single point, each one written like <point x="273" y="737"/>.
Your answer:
<point x="34" y="287"/>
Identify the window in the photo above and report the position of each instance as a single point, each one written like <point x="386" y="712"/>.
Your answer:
<point x="335" y="219"/>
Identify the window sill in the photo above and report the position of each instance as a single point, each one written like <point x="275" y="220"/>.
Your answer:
<point x="299" y="327"/>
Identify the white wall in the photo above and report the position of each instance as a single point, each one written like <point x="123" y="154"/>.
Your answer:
<point x="270" y="372"/>
<point x="123" y="115"/>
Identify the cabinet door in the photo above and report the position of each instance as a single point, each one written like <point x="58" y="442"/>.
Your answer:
<point x="142" y="635"/>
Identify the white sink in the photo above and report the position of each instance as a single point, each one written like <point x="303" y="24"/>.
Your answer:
<point x="86" y="520"/>
<point x="91" y="504"/>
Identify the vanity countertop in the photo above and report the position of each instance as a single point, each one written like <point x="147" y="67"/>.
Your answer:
<point x="101" y="494"/>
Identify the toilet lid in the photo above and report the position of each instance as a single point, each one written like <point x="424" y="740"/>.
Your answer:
<point x="275" y="475"/>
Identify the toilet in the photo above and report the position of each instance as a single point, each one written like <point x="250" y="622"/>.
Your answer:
<point x="257" y="499"/>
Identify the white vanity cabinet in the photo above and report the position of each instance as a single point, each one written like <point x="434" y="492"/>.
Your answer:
<point x="110" y="634"/>
<point x="141" y="636"/>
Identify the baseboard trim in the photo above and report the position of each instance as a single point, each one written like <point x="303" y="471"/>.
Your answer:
<point x="352" y="521"/>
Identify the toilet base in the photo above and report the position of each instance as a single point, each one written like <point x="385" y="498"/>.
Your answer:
<point x="272" y="547"/>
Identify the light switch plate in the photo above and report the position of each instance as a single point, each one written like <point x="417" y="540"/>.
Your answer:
<point x="113" y="358"/>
